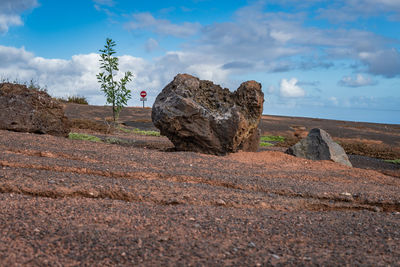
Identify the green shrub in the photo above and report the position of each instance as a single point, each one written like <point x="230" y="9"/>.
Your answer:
<point x="273" y="138"/>
<point x="264" y="144"/>
<point x="148" y="133"/>
<point x="394" y="161"/>
<point x="77" y="100"/>
<point x="139" y="132"/>
<point x="86" y="137"/>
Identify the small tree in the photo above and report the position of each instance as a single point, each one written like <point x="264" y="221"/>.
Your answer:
<point x="116" y="92"/>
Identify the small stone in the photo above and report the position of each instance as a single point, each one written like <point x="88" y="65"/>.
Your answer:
<point x="139" y="243"/>
<point x="220" y="202"/>
<point x="346" y="194"/>
<point x="275" y="256"/>
<point x="192" y="219"/>
<point x="173" y="201"/>
<point x="251" y="245"/>
<point x="123" y="254"/>
<point x="163" y="238"/>
<point x="93" y="193"/>
<point x="36" y="230"/>
<point x="377" y="209"/>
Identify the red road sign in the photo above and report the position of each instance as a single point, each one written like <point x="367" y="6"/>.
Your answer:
<point x="143" y="94"/>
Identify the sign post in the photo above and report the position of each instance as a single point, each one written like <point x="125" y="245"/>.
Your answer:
<point x="143" y="95"/>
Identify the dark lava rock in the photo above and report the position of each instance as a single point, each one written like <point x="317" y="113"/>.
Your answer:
<point x="27" y="110"/>
<point x="200" y="116"/>
<point x="318" y="145"/>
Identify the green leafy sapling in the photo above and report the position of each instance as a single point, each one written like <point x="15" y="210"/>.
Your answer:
<point x="115" y="91"/>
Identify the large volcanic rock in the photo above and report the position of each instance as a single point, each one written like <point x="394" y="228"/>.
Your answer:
<point x="25" y="110"/>
<point x="318" y="145"/>
<point x="201" y="116"/>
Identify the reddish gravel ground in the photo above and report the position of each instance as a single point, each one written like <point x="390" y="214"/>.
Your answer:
<point x="77" y="203"/>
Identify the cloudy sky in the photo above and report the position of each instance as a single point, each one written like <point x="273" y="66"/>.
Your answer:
<point x="337" y="59"/>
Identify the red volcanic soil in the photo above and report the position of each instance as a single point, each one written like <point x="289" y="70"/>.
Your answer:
<point x="69" y="202"/>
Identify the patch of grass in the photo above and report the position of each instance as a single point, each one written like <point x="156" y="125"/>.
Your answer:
<point x="77" y="100"/>
<point x="125" y="130"/>
<point x="148" y="133"/>
<point x="116" y="141"/>
<point x="273" y="138"/>
<point x="267" y="139"/>
<point x="73" y="99"/>
<point x="86" y="137"/>
<point x="266" y="144"/>
<point x="394" y="161"/>
<point x="139" y="132"/>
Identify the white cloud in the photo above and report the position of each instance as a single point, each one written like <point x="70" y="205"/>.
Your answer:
<point x="10" y="12"/>
<point x="6" y="21"/>
<point x="151" y="45"/>
<point x="105" y="2"/>
<point x="334" y="100"/>
<point x="340" y="11"/>
<point x="358" y="81"/>
<point x="146" y="21"/>
<point x="289" y="88"/>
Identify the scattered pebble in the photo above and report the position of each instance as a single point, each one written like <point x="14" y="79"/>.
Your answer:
<point x="94" y="193"/>
<point x="275" y="256"/>
<point x="251" y="245"/>
<point x="220" y="202"/>
<point x="173" y="201"/>
<point x="347" y="194"/>
<point x="377" y="209"/>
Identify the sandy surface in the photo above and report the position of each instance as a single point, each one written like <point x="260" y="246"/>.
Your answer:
<point x="67" y="203"/>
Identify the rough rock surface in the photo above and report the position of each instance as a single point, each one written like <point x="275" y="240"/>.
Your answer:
<point x="25" y="110"/>
<point x="200" y="116"/>
<point x="318" y="145"/>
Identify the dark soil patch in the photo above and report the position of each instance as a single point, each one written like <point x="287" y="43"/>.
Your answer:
<point x="380" y="165"/>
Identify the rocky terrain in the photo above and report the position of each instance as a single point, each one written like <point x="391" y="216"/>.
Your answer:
<point x="71" y="202"/>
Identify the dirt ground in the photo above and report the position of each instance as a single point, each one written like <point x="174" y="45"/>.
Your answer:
<point x="71" y="203"/>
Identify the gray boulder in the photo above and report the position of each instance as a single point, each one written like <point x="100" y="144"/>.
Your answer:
<point x="27" y="110"/>
<point x="200" y="116"/>
<point x="318" y="145"/>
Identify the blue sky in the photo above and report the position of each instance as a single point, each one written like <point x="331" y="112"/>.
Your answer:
<point x="327" y="59"/>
